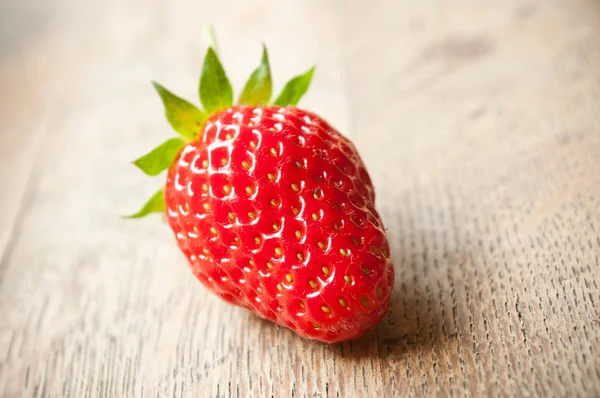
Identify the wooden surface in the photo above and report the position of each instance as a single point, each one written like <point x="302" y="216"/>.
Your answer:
<point x="479" y="122"/>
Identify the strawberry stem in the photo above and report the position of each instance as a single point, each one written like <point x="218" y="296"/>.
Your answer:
<point x="210" y="38"/>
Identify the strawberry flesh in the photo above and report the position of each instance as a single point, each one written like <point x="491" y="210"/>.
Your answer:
<point x="275" y="211"/>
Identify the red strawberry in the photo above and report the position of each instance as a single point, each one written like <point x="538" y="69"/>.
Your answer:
<point x="273" y="207"/>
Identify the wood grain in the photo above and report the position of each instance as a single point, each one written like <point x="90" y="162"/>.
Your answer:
<point x="479" y="122"/>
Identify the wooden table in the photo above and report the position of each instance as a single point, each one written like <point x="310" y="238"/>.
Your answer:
<point x="479" y="122"/>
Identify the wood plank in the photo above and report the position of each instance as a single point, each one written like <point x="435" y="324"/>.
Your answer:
<point x="23" y="81"/>
<point x="479" y="125"/>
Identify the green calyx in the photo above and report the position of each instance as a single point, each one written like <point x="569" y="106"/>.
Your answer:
<point x="156" y="204"/>
<point x="216" y="94"/>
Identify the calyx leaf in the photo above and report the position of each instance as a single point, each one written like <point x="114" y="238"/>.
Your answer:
<point x="184" y="117"/>
<point x="216" y="94"/>
<point x="215" y="90"/>
<point x="156" y="204"/>
<point x="161" y="157"/>
<point x="259" y="87"/>
<point x="294" y="89"/>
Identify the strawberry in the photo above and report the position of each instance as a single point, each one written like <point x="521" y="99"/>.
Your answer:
<point x="273" y="208"/>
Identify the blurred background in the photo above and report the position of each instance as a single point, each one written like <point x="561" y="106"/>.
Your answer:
<point x="479" y="122"/>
